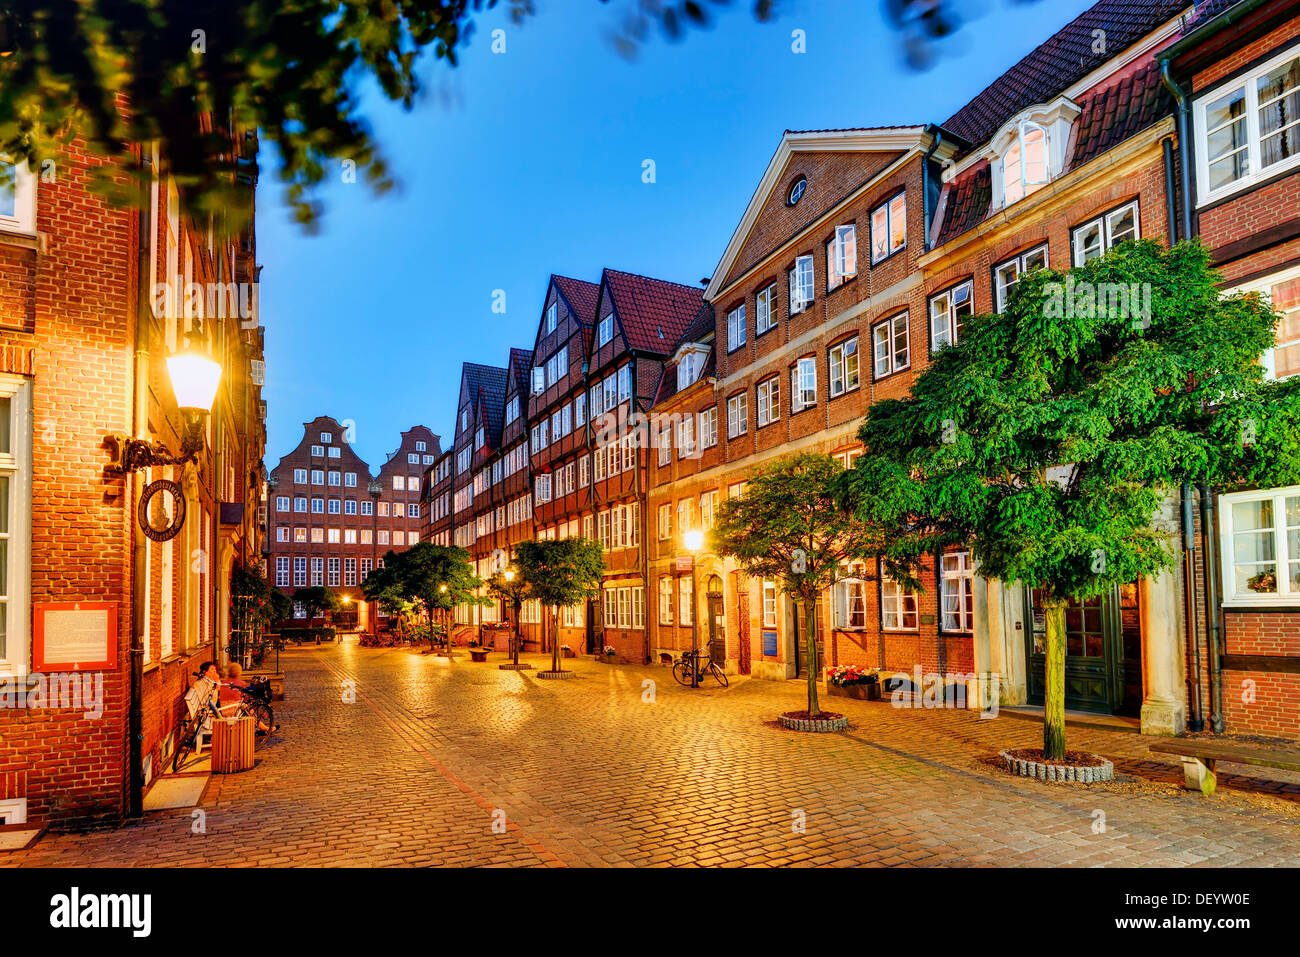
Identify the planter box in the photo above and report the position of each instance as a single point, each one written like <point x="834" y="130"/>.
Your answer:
<point x="568" y="653"/>
<point x="608" y="659"/>
<point x="862" y="692"/>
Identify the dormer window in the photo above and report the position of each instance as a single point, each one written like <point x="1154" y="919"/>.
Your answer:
<point x="1029" y="151"/>
<point x="1024" y="164"/>
<point x="690" y="363"/>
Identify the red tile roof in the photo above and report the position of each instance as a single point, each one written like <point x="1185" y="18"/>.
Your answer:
<point x="580" y="295"/>
<point x="654" y="312"/>
<point x="1126" y="105"/>
<point x="1060" y="62"/>
<point x="964" y="202"/>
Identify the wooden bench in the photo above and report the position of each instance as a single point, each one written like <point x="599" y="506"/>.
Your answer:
<point x="1200" y="757"/>
<point x="478" y="654"/>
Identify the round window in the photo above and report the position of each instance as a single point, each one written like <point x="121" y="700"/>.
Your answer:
<point x="796" y="191"/>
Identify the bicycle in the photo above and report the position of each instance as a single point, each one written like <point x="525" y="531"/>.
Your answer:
<point x="689" y="666"/>
<point x="261" y="713"/>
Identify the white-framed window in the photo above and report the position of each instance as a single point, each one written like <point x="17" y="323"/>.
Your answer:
<point x="1283" y="291"/>
<point x="326" y="438"/>
<point x="949" y="311"/>
<point x="665" y="600"/>
<point x="1007" y="274"/>
<point x="15" y="523"/>
<point x="842" y="360"/>
<point x="737" y="415"/>
<point x="625" y="383"/>
<point x="542" y="488"/>
<point x="664" y="442"/>
<point x="686" y="601"/>
<point x="769" y="604"/>
<point x="335" y="507"/>
<point x="317" y="476"/>
<point x="897" y="606"/>
<point x="891" y="346"/>
<point x="282" y="533"/>
<point x="957" y="591"/>
<point x="412" y="458"/>
<point x="299" y="476"/>
<point x="350" y="479"/>
<point x="765" y="309"/>
<point x="318" y="451"/>
<point x="1250" y="130"/>
<point x="539" y="380"/>
<point x="299" y="576"/>
<point x="367" y="507"/>
<point x="552" y="316"/>
<point x="1260" y="535"/>
<point x="282" y="571"/>
<point x="736" y="328"/>
<point x="851" y="598"/>
<point x="17" y="197"/>
<point x="841" y="256"/>
<point x="317" y="572"/>
<point x="605" y="331"/>
<point x="512" y="409"/>
<point x="888" y="228"/>
<point x="300" y="503"/>
<point x="686" y="437"/>
<point x="1025" y="163"/>
<point x="318" y="506"/>
<point x="769" y="401"/>
<point x="665" y="521"/>
<point x="1095" y="237"/>
<point x="801" y="285"/>
<point x="708" y="508"/>
<point x="282" y="503"/>
<point x="709" y="428"/>
<point x="335" y="452"/>
<point x="803" y="384"/>
<point x="335" y="479"/>
<point x="350" y="506"/>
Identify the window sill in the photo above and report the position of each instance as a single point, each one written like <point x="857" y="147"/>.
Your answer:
<point x="840" y="395"/>
<point x="890" y="375"/>
<point x="12" y="235"/>
<point x="1272" y="603"/>
<point x="884" y="259"/>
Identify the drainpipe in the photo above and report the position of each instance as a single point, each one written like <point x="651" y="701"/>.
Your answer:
<point x="1194" y="722"/>
<point x="139" y="568"/>
<point x="925" y="186"/>
<point x="1182" y="114"/>
<point x="1213" y="608"/>
<point x="1171" y="198"/>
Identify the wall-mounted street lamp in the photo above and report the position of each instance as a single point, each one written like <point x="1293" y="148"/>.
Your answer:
<point x="194" y="376"/>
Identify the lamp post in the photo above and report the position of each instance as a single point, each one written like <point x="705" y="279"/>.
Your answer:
<point x="375" y="488"/>
<point x="347" y="602"/>
<point x="693" y="540"/>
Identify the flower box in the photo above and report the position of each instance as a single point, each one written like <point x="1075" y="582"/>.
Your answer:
<point x="862" y="692"/>
<point x="568" y="653"/>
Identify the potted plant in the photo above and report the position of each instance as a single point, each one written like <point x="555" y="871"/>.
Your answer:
<point x="610" y="655"/>
<point x="1265" y="582"/>
<point x="567" y="651"/>
<point x="852" y="681"/>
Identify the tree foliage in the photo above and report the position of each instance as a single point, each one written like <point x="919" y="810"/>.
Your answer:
<point x="316" y="599"/>
<point x="560" y="573"/>
<point x="196" y="76"/>
<point x="787" y="528"/>
<point x="1047" y="439"/>
<point x="436" y="577"/>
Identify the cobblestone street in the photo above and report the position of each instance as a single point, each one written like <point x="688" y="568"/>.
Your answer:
<point x="586" y="772"/>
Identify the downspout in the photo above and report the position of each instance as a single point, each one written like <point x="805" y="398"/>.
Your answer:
<point x="139" y="567"/>
<point x="1213" y="609"/>
<point x="1195" y="722"/>
<point x="1182" y="113"/>
<point x="925" y="186"/>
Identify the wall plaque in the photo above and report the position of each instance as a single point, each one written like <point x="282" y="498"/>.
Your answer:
<point x="74" y="636"/>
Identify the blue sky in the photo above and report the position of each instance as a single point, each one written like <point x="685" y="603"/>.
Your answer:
<point x="528" y="162"/>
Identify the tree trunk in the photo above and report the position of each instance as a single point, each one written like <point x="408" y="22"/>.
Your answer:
<point x="428" y="613"/>
<point x="810" y="625"/>
<point x="1054" y="681"/>
<point x="514" y="641"/>
<point x="555" y="640"/>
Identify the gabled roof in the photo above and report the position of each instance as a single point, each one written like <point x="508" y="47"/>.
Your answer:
<point x="1063" y="60"/>
<point x="652" y="312"/>
<point x="580" y="295"/>
<point x="485" y="386"/>
<point x="866" y="139"/>
<point x="521" y="362"/>
<point x="702" y="330"/>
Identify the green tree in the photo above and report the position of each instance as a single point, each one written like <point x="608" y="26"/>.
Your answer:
<point x="436" y="577"/>
<point x="511" y="586"/>
<point x="1047" y="439"/>
<point x="785" y="528"/>
<point x="560" y="572"/>
<point x="316" y="600"/>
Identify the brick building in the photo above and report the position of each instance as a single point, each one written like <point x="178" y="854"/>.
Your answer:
<point x="331" y="521"/>
<point x="94" y="300"/>
<point x="1238" y="75"/>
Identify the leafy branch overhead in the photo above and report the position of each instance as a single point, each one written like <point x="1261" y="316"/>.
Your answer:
<point x="206" y="79"/>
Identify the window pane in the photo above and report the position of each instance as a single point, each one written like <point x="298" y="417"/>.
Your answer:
<point x="5" y="418"/>
<point x="1279" y="101"/>
<point x="1227" y="139"/>
<point x="1123" y="225"/>
<point x="8" y="191"/>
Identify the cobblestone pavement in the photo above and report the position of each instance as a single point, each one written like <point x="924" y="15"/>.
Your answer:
<point x="589" y="772"/>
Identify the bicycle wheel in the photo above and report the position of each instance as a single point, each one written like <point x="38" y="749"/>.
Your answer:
<point x="682" y="672"/>
<point x="185" y="747"/>
<point x="718" y="673"/>
<point x="263" y="714"/>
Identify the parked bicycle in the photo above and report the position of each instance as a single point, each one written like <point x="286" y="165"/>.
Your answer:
<point x="696" y="664"/>
<point x="254" y="703"/>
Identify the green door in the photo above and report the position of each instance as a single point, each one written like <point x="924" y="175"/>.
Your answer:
<point x="1103" y="652"/>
